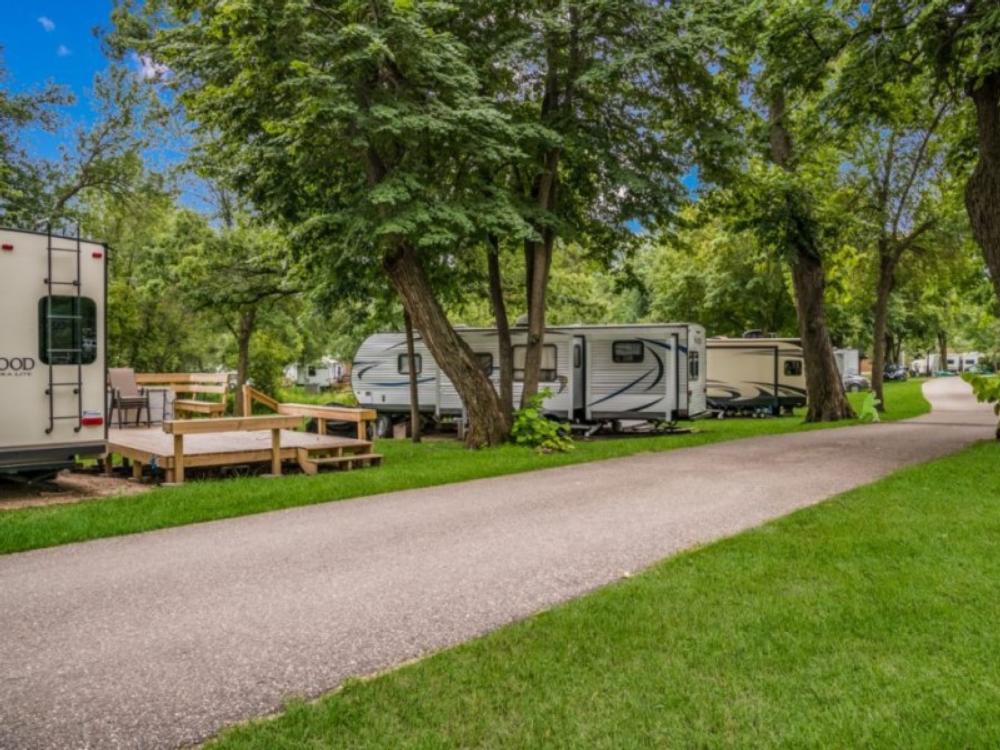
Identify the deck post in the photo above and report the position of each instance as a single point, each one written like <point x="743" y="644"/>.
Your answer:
<point x="362" y="430"/>
<point x="136" y="470"/>
<point x="320" y="426"/>
<point x="179" y="458"/>
<point x="276" y="452"/>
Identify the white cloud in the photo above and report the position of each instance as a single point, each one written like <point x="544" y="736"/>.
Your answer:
<point x="149" y="68"/>
<point x="63" y="51"/>
<point x="47" y="23"/>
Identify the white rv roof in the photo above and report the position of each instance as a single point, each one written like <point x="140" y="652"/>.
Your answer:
<point x="55" y="235"/>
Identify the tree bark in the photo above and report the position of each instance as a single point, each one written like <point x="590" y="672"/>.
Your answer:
<point x="982" y="191"/>
<point x="414" y="389"/>
<point x="504" y="344"/>
<point x="482" y="403"/>
<point x="541" y="262"/>
<point x="825" y="397"/>
<point x="883" y="289"/>
<point x="244" y="332"/>
<point x="942" y="341"/>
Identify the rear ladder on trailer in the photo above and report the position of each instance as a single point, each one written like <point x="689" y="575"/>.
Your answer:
<point x="75" y="354"/>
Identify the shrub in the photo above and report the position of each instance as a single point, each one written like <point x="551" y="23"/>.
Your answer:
<point x="987" y="390"/>
<point x="533" y="429"/>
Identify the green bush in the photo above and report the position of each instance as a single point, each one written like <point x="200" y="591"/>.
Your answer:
<point x="534" y="430"/>
<point x="987" y="390"/>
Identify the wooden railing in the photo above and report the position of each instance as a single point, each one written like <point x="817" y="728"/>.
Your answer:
<point x="181" y="427"/>
<point x="322" y="414"/>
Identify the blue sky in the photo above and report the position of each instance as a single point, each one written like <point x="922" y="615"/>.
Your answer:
<point x="53" y="40"/>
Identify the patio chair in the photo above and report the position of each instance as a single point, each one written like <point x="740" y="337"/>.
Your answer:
<point x="126" y="394"/>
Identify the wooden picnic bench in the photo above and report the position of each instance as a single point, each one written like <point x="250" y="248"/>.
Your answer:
<point x="192" y="384"/>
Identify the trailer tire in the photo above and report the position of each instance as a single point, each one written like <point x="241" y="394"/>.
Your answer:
<point x="383" y="426"/>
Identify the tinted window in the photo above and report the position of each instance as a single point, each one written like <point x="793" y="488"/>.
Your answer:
<point x="67" y="330"/>
<point x="624" y="352"/>
<point x="547" y="373"/>
<point x="793" y="367"/>
<point x="577" y="356"/>
<point x="404" y="364"/>
<point x="694" y="365"/>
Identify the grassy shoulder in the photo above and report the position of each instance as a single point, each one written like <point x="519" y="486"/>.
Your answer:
<point x="407" y="466"/>
<point x="867" y="621"/>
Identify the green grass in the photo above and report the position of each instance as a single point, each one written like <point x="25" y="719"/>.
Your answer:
<point x="871" y="620"/>
<point x="406" y="466"/>
<point x="299" y="395"/>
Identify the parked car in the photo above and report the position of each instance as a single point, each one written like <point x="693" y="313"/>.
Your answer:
<point x="854" y="382"/>
<point x="895" y="372"/>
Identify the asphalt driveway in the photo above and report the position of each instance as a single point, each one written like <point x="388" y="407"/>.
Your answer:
<point x="161" y="639"/>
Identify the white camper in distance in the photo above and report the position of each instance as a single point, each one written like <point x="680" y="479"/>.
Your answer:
<point x="52" y="351"/>
<point x="600" y="373"/>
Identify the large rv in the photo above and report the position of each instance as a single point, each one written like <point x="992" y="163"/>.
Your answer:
<point x="52" y="351"/>
<point x="755" y="375"/>
<point x="652" y="372"/>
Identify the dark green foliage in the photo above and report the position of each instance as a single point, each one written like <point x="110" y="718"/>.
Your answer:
<point x="532" y="429"/>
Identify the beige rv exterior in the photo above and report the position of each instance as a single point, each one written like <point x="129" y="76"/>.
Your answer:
<point x="754" y="375"/>
<point x="52" y="350"/>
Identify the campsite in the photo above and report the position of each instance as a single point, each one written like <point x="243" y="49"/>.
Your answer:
<point x="585" y="373"/>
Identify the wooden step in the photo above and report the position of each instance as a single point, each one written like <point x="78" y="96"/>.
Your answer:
<point x="311" y="463"/>
<point x="348" y="459"/>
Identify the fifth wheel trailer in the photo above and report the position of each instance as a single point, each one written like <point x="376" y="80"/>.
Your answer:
<point x="598" y="373"/>
<point x="52" y="351"/>
<point x="755" y="375"/>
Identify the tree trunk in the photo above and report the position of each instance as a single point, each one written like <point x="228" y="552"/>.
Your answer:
<point x="414" y="389"/>
<point x="942" y="340"/>
<point x="452" y="354"/>
<point x="824" y="386"/>
<point x="504" y="344"/>
<point x="541" y="262"/>
<point x="244" y="332"/>
<point x="538" y="257"/>
<point x="982" y="191"/>
<point x="883" y="289"/>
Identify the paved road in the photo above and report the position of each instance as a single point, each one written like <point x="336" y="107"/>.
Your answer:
<point x="161" y="639"/>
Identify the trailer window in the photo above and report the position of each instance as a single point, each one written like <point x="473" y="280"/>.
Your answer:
<point x="485" y="360"/>
<point x="67" y="330"/>
<point x="626" y="352"/>
<point x="547" y="373"/>
<point x="793" y="367"/>
<point x="403" y="365"/>
<point x="694" y="365"/>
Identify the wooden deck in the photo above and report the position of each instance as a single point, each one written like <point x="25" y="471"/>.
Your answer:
<point x="154" y="447"/>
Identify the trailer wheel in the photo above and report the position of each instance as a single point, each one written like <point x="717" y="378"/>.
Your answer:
<point x="383" y="426"/>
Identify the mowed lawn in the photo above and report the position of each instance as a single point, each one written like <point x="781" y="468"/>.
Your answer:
<point x="871" y="620"/>
<point x="406" y="466"/>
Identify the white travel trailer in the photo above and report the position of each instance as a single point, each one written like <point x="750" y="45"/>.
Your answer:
<point x="600" y="373"/>
<point x="326" y="373"/>
<point x="755" y="375"/>
<point x="52" y="350"/>
<point x="848" y="361"/>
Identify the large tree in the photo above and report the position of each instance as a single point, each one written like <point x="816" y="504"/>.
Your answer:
<point x="363" y="125"/>
<point x="959" y="43"/>
<point x="615" y="101"/>
<point x="897" y="181"/>
<point x="795" y="45"/>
